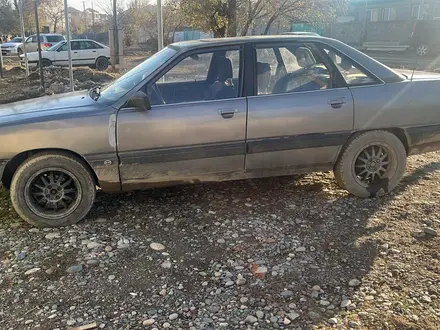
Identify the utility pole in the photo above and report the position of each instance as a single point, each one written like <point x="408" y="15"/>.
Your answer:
<point x="85" y="16"/>
<point x="1" y="64"/>
<point x="159" y="25"/>
<point x="93" y="22"/>
<point x="23" y="36"/>
<point x="39" y="44"/>
<point x="115" y="36"/>
<point x="69" y="47"/>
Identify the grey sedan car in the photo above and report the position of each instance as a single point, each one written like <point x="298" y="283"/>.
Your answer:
<point x="216" y="110"/>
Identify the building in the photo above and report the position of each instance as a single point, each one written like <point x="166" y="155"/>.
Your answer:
<point x="389" y="22"/>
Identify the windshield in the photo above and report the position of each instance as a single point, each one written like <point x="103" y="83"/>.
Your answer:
<point x="55" y="47"/>
<point x="16" y="40"/>
<point x="121" y="86"/>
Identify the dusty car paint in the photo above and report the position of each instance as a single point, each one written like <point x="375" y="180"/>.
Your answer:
<point x="129" y="149"/>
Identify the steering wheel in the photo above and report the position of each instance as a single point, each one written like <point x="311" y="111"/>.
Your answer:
<point x="154" y="89"/>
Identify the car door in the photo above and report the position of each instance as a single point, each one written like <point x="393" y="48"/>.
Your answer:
<point x="76" y="52"/>
<point x="195" y="130"/>
<point x="87" y="53"/>
<point x="301" y="112"/>
<point x="32" y="44"/>
<point x="61" y="55"/>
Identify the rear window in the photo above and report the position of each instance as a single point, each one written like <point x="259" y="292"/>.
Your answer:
<point x="54" y="38"/>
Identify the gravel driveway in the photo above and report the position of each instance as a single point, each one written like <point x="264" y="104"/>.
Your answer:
<point x="260" y="254"/>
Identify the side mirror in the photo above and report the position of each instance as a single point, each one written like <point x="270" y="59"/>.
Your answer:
<point x="139" y="101"/>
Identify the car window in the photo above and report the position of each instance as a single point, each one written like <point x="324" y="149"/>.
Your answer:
<point x="199" y="77"/>
<point x="32" y="39"/>
<point x="63" y="48"/>
<point x="349" y="70"/>
<point x="16" y="40"/>
<point x="297" y="69"/>
<point x="94" y="45"/>
<point x="75" y="45"/>
<point x="53" y="39"/>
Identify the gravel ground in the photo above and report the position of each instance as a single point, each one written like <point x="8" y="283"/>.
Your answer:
<point x="280" y="253"/>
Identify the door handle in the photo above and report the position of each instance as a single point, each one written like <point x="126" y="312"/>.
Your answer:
<point x="337" y="103"/>
<point x="228" y="113"/>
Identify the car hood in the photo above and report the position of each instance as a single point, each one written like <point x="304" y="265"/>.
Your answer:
<point x="48" y="106"/>
<point x="44" y="54"/>
<point x="9" y="44"/>
<point x="420" y="75"/>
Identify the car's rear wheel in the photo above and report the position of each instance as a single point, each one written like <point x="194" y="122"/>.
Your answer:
<point x="52" y="190"/>
<point x="102" y="63"/>
<point x="371" y="164"/>
<point x="422" y="50"/>
<point x="19" y="52"/>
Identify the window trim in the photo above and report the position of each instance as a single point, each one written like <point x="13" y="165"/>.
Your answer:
<point x="180" y="57"/>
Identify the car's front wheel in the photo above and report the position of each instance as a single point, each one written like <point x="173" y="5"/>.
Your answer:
<point x="371" y="164"/>
<point x="52" y="190"/>
<point x="19" y="52"/>
<point x="422" y="50"/>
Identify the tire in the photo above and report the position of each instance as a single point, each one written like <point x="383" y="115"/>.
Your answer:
<point x="361" y="178"/>
<point x="19" y="52"/>
<point x="422" y="50"/>
<point x="102" y="63"/>
<point x="45" y="62"/>
<point x="24" y="191"/>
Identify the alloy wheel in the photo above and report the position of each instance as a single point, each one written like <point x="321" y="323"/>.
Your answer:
<point x="53" y="193"/>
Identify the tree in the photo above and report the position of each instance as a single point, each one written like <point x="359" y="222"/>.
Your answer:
<point x="53" y="11"/>
<point x="8" y="20"/>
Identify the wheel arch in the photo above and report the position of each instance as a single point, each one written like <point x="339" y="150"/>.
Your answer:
<point x="13" y="164"/>
<point x="401" y="134"/>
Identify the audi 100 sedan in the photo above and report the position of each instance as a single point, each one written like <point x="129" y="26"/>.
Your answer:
<point x="216" y="110"/>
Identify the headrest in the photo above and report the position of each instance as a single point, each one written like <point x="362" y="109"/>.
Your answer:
<point x="304" y="57"/>
<point x="224" y="69"/>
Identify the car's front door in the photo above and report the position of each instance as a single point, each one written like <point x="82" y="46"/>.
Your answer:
<point x="301" y="113"/>
<point x="196" y="128"/>
<point x="61" y="56"/>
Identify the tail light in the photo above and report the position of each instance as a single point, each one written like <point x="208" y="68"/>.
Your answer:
<point x="47" y="44"/>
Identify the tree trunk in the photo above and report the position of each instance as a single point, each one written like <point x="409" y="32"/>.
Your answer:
<point x="269" y="24"/>
<point x="219" y="32"/>
<point x="55" y="25"/>
<point x="232" y="18"/>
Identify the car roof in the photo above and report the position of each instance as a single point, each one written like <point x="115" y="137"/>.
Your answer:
<point x="237" y="40"/>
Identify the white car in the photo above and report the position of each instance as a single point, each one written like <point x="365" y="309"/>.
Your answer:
<point x="84" y="53"/>
<point x="11" y="47"/>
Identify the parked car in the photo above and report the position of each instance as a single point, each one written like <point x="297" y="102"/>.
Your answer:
<point x="216" y="110"/>
<point x="46" y="41"/>
<point x="425" y="39"/>
<point x="11" y="47"/>
<point x="84" y="53"/>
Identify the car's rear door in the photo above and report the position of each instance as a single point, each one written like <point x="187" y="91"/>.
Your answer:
<point x="196" y="128"/>
<point x="301" y="112"/>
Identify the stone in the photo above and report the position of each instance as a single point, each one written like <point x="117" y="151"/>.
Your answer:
<point x="354" y="282"/>
<point x="111" y="277"/>
<point x="324" y="302"/>
<point x="173" y="316"/>
<point x="123" y="243"/>
<point x="221" y="241"/>
<point x="240" y="281"/>
<point x="300" y="249"/>
<point x="93" y="245"/>
<point x="316" y="288"/>
<point x="314" y="315"/>
<point x="71" y="322"/>
<point x="333" y="320"/>
<point x="293" y="316"/>
<point x="274" y="319"/>
<point x="53" y="235"/>
<point x="251" y="319"/>
<point x="28" y="322"/>
<point x="229" y="283"/>
<point x="354" y="324"/>
<point x="21" y="255"/>
<point x="286" y="293"/>
<point x="170" y="219"/>
<point x="244" y="300"/>
<point x="74" y="269"/>
<point x="259" y="314"/>
<point x="32" y="271"/>
<point x="418" y="234"/>
<point x="430" y="231"/>
<point x="166" y="325"/>
<point x="157" y="246"/>
<point x="345" y="303"/>
<point x="166" y="264"/>
<point x="286" y="321"/>
<point x="426" y="299"/>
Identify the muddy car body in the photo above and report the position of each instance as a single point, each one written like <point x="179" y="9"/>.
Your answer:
<point x="216" y="110"/>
